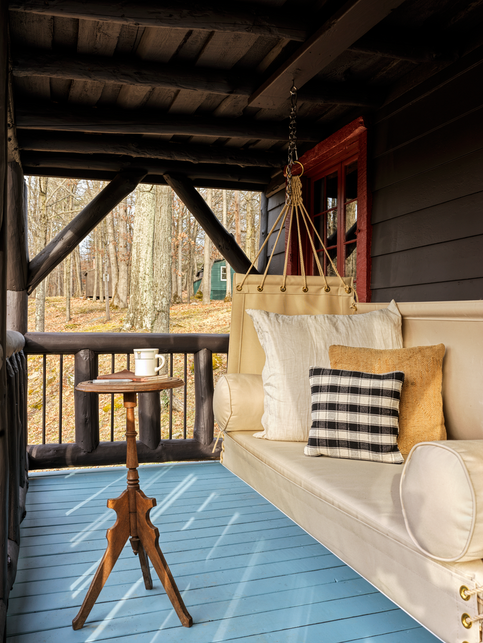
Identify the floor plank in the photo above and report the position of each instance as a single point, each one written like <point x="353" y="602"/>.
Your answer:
<point x="246" y="572"/>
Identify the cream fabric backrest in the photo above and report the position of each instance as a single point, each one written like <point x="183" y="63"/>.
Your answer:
<point x="459" y="326"/>
<point x="246" y="354"/>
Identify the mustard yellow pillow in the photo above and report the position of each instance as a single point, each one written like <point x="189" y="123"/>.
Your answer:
<point x="421" y="408"/>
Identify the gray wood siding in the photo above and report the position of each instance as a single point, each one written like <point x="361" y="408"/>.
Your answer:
<point x="274" y="206"/>
<point x="427" y="189"/>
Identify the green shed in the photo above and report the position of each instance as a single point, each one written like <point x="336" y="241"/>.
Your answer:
<point x="218" y="279"/>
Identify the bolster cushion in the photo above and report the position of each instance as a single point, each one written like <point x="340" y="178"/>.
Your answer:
<point x="442" y="499"/>
<point x="238" y="402"/>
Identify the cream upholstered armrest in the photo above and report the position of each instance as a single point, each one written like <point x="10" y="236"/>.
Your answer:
<point x="238" y="402"/>
<point x="442" y="499"/>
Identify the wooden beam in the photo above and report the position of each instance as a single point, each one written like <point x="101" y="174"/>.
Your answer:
<point x="70" y="237"/>
<point x="121" y="71"/>
<point x="115" y="163"/>
<point x="4" y="465"/>
<point x="55" y="456"/>
<point x="233" y="17"/>
<point x="48" y="116"/>
<point x="17" y="260"/>
<point x="39" y="141"/>
<point x="352" y="21"/>
<point x="220" y="183"/>
<point x="393" y="46"/>
<point x="224" y="242"/>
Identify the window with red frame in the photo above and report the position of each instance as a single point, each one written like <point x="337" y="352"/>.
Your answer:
<point x="334" y="213"/>
<point x="338" y="200"/>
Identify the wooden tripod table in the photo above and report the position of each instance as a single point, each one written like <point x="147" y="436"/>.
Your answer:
<point x="132" y="508"/>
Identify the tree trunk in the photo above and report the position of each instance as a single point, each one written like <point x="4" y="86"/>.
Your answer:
<point x="78" y="276"/>
<point x="162" y="247"/>
<point x="250" y="234"/>
<point x="206" y="283"/>
<point x="180" y="254"/>
<point x="237" y="218"/>
<point x="67" y="285"/>
<point x="123" y="258"/>
<point x="94" y="246"/>
<point x="100" y="262"/>
<point x="111" y="237"/>
<point x="42" y="242"/>
<point x="228" y="269"/>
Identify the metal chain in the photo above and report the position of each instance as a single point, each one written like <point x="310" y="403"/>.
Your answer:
<point x="292" y="141"/>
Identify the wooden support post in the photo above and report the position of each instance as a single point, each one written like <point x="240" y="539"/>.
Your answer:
<point x="70" y="237"/>
<point x="224" y="242"/>
<point x="86" y="404"/>
<point x="204" y="419"/>
<point x="149" y="411"/>
<point x="17" y="265"/>
<point x="4" y="587"/>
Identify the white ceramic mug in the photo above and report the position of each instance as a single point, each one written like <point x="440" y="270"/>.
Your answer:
<point x="145" y="361"/>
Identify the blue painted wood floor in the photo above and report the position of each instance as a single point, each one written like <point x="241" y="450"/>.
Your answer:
<point x="245" y="571"/>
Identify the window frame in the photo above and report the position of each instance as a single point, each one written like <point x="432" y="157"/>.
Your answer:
<point x="223" y="266"/>
<point x="338" y="150"/>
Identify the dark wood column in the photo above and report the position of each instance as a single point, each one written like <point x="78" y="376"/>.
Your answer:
<point x="70" y="237"/>
<point x="17" y="264"/>
<point x="4" y="588"/>
<point x="225" y="242"/>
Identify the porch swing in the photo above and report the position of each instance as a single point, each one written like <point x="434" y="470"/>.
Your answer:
<point x="286" y="294"/>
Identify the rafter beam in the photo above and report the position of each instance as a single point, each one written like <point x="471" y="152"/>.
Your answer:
<point x="352" y="21"/>
<point x="70" y="237"/>
<point x="396" y="48"/>
<point x="223" y="240"/>
<point x="120" y="71"/>
<point x="114" y="163"/>
<point x="232" y="17"/>
<point x="27" y="62"/>
<point x="40" y="141"/>
<point x="116" y="121"/>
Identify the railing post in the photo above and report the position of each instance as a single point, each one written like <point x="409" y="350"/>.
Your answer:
<point x="204" y="419"/>
<point x="86" y="404"/>
<point x="149" y="410"/>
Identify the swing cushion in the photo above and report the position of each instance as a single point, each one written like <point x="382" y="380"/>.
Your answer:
<point x="295" y="343"/>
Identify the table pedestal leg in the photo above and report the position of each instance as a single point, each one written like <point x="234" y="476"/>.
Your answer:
<point x="132" y="508"/>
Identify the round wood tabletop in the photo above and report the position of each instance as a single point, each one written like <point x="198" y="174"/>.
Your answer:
<point x="112" y="386"/>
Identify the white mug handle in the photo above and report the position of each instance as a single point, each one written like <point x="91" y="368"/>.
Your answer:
<point x="162" y="357"/>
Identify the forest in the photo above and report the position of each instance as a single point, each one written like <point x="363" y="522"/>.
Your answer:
<point x="143" y="257"/>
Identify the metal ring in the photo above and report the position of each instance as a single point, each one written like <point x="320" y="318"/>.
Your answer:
<point x="295" y="163"/>
<point x="238" y="287"/>
<point x="305" y="289"/>
<point x="282" y="288"/>
<point x="464" y="620"/>
<point x="327" y="289"/>
<point x="463" y="594"/>
<point x="348" y="290"/>
<point x="260" y="288"/>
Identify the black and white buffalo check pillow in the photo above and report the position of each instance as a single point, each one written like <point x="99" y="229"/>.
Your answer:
<point x="355" y="415"/>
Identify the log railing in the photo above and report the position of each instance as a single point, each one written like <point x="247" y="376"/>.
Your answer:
<point x="88" y="450"/>
<point x="13" y="476"/>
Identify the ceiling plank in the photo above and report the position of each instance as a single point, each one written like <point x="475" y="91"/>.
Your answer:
<point x="232" y="17"/>
<point x="392" y="46"/>
<point x="117" y="121"/>
<point x="27" y="63"/>
<point x="352" y="21"/>
<point x="40" y="141"/>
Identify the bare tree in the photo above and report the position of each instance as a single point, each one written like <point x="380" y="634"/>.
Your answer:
<point x="206" y="283"/>
<point x="123" y="255"/>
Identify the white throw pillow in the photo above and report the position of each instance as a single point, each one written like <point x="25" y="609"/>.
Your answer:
<point x="294" y="343"/>
<point x="442" y="499"/>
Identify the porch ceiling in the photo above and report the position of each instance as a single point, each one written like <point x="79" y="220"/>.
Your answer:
<point x="99" y="86"/>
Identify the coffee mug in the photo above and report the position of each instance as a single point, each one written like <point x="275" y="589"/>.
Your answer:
<point x="145" y="361"/>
